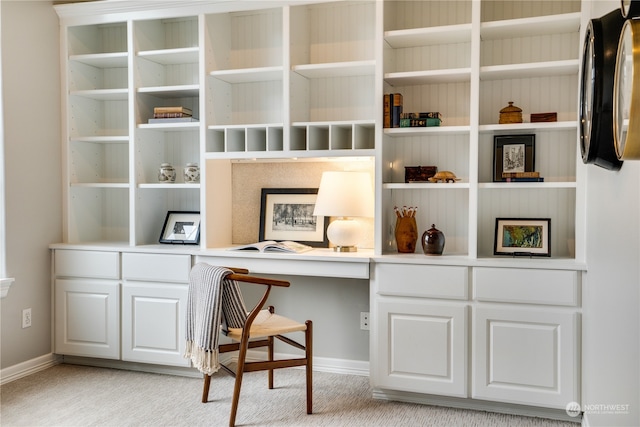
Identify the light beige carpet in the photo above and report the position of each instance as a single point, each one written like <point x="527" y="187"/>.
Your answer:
<point x="68" y="395"/>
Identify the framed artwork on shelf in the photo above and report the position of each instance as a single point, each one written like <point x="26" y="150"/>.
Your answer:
<point x="513" y="154"/>
<point x="287" y="214"/>
<point x="523" y="237"/>
<point x="181" y="228"/>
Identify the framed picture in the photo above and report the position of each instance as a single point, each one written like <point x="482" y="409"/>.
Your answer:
<point x="287" y="214"/>
<point x="513" y="153"/>
<point x="181" y="228"/>
<point x="523" y="236"/>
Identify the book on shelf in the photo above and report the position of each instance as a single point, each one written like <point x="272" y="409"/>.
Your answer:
<point x="170" y="115"/>
<point x="533" y="174"/>
<point x="386" y="113"/>
<point x="173" y="120"/>
<point x="396" y="109"/>
<point x="170" y="109"/>
<point x="423" y="115"/>
<point x="539" y="179"/>
<point x="273" y="246"/>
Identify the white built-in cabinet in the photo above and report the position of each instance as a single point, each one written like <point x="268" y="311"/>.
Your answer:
<point x="289" y="81"/>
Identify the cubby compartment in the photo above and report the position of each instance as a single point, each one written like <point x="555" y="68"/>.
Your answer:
<point x="98" y="214"/>
<point x="152" y="206"/>
<point x="91" y="117"/>
<point x="99" y="162"/>
<point x="334" y="98"/>
<point x="97" y="39"/>
<point x="554" y="155"/>
<point x="558" y="204"/>
<point x="165" y="34"/>
<point x="236" y="102"/>
<point x="154" y="147"/>
<point x="161" y="70"/>
<point x="244" y="40"/>
<point x="446" y="152"/>
<point x="332" y="32"/>
<point x="86" y="74"/>
<point x="409" y="14"/>
<point x="147" y="100"/>
<point x="497" y="10"/>
<point x="445" y="207"/>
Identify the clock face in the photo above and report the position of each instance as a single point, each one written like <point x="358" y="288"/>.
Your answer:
<point x="624" y="99"/>
<point x="596" y="91"/>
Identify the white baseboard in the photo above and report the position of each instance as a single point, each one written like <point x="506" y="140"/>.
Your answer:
<point x="29" y="367"/>
<point x="320" y="364"/>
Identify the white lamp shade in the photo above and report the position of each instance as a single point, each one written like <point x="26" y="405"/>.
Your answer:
<point x="345" y="194"/>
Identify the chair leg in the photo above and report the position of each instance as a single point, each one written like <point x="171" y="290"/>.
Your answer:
<point x="308" y="338"/>
<point x="270" y="358"/>
<point x="242" y="355"/>
<point x="205" y="389"/>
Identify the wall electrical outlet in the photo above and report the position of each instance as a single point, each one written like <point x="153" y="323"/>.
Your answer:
<point x="26" y="318"/>
<point x="364" y="321"/>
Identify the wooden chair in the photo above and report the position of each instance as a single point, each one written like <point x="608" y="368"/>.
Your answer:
<point x="259" y="330"/>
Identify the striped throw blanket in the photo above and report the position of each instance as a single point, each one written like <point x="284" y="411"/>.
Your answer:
<point x="212" y="300"/>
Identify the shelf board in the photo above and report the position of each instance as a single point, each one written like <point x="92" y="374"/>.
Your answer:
<point x="426" y="186"/>
<point x="170" y="126"/>
<point x="542" y="126"/>
<point x="101" y="139"/>
<point x="523" y="27"/>
<point x="100" y="184"/>
<point x="447" y="34"/>
<point x="176" y="91"/>
<point x="334" y="123"/>
<point x="520" y="185"/>
<point x="416" y="131"/>
<point x="249" y="75"/>
<point x="336" y="69"/>
<point x="175" y="185"/>
<point x="532" y="69"/>
<point x="172" y="56"/>
<point x="102" y="94"/>
<point x="406" y="78"/>
<point x="102" y="60"/>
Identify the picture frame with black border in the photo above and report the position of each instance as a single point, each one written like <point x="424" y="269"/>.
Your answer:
<point x="287" y="214"/>
<point x="523" y="237"/>
<point x="513" y="153"/>
<point x="181" y="228"/>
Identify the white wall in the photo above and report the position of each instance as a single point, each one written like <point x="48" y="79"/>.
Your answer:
<point x="31" y="86"/>
<point x="611" y="300"/>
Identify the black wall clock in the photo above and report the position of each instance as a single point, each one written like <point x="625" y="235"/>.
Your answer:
<point x="596" y="90"/>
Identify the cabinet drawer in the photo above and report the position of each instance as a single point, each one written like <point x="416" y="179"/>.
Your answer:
<point x="94" y="264"/>
<point x="431" y="281"/>
<point x="529" y="286"/>
<point x="157" y="267"/>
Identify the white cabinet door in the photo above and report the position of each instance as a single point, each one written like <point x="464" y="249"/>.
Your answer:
<point x="421" y="347"/>
<point x="87" y="318"/>
<point x="153" y="323"/>
<point x="525" y="356"/>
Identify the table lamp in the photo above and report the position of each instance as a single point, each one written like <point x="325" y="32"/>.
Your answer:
<point x="344" y="195"/>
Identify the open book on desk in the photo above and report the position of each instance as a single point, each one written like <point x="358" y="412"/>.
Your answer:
<point x="273" y="246"/>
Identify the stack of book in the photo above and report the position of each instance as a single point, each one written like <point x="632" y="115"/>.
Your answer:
<point x="172" y="115"/>
<point x="392" y="104"/>
<point x="522" y="177"/>
<point x="425" y="119"/>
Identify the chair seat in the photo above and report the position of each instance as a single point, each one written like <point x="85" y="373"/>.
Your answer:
<point x="267" y="324"/>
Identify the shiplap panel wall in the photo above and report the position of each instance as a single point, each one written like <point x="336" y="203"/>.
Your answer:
<point x="418" y="14"/>
<point x="255" y="39"/>
<point x="499" y="10"/>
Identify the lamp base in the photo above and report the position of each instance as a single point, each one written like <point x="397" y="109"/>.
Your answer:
<point x="345" y="249"/>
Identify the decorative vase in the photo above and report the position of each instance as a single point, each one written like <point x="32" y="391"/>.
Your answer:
<point x="406" y="234"/>
<point x="433" y="241"/>
<point x="192" y="173"/>
<point x="166" y="173"/>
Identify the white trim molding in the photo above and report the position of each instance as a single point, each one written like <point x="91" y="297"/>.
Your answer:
<point x="28" y="367"/>
<point x="5" y="284"/>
